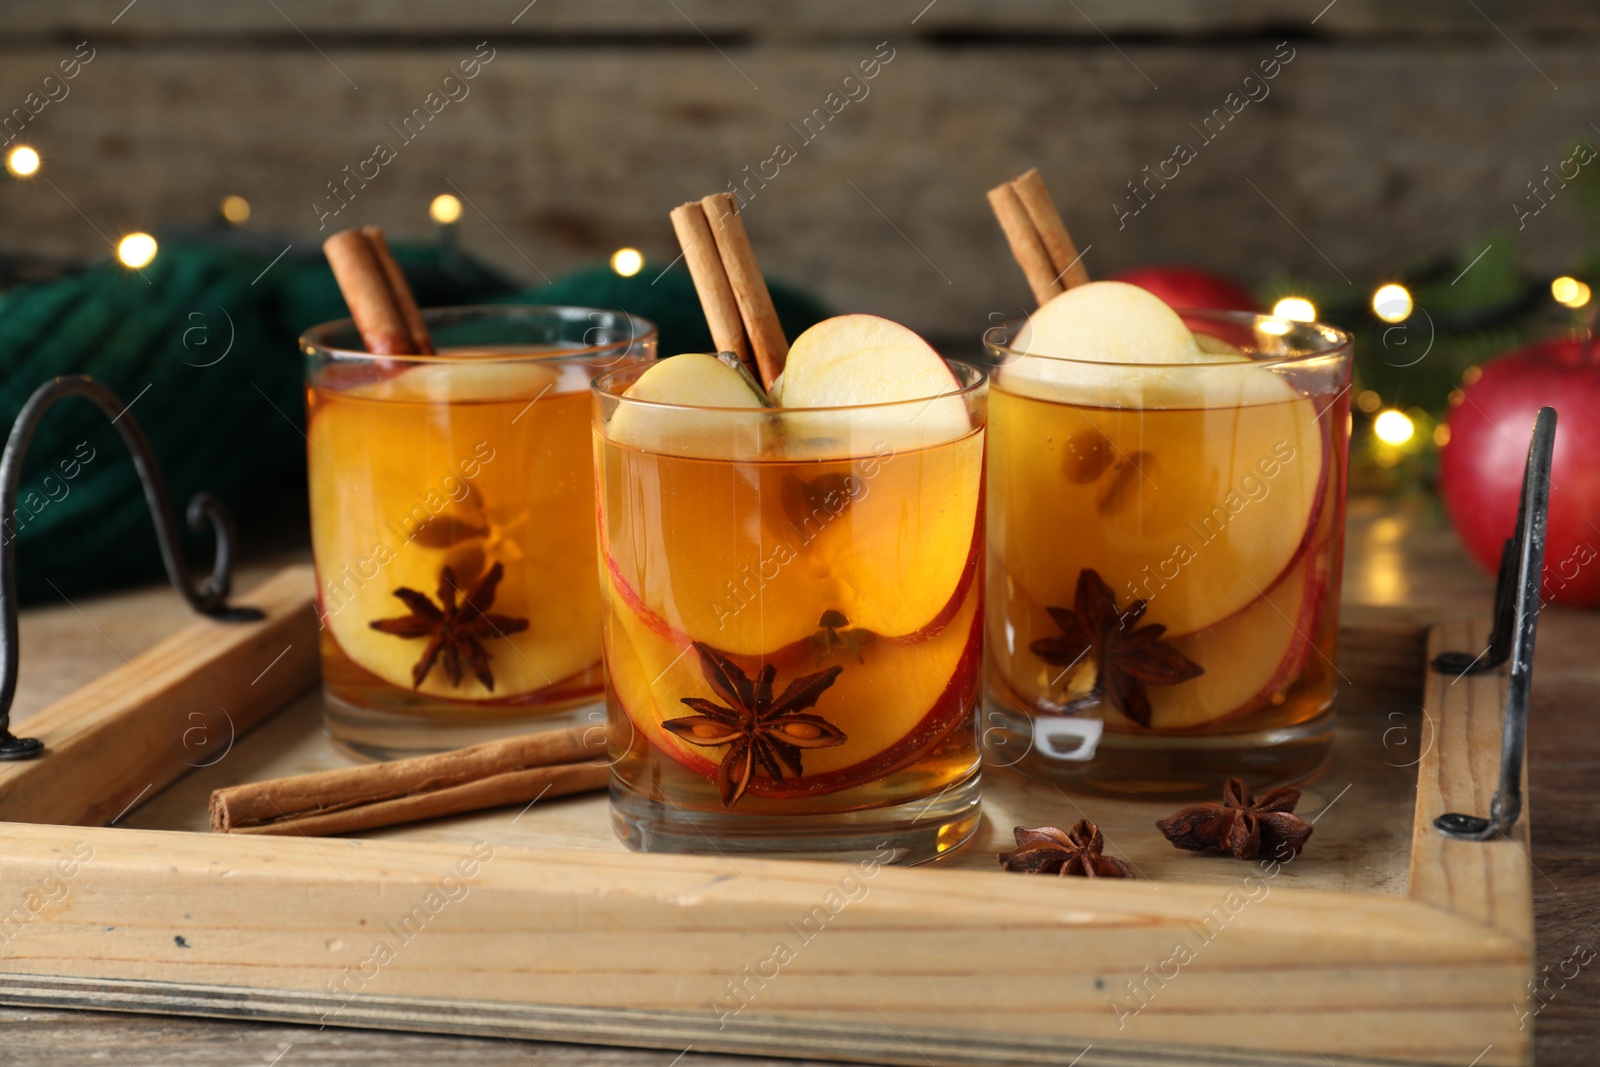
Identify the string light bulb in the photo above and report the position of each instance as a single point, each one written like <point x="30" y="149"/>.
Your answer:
<point x="236" y="209"/>
<point x="445" y="209"/>
<point x="1394" y="427"/>
<point x="1570" y="292"/>
<point x="1296" y="308"/>
<point x="136" y="250"/>
<point x="627" y="261"/>
<point x="1392" y="303"/>
<point x="1368" y="401"/>
<point x="22" y="161"/>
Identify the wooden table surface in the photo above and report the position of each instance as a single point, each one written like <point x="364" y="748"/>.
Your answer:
<point x="1400" y="556"/>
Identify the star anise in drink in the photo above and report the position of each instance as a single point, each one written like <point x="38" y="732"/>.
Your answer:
<point x="760" y="731"/>
<point x="1243" y="824"/>
<point x="1126" y="659"/>
<point x="836" y="635"/>
<point x="1051" y="850"/>
<point x="455" y="632"/>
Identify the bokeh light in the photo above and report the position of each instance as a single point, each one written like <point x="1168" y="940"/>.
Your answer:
<point x="1297" y="308"/>
<point x="236" y="209"/>
<point x="1394" y="427"/>
<point x="445" y="209"/>
<point x="22" y="161"/>
<point x="1392" y="303"/>
<point x="1570" y="292"/>
<point x="136" y="250"/>
<point x="627" y="261"/>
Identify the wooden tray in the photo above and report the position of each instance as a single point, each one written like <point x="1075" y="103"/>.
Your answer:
<point x="1383" y="943"/>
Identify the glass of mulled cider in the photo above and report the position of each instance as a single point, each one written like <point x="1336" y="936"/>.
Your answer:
<point x="1165" y="540"/>
<point x="793" y="616"/>
<point x="452" y="521"/>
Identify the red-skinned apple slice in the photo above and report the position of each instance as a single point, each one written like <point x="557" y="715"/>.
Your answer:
<point x="883" y="391"/>
<point x="868" y="619"/>
<point x="1200" y="509"/>
<point x="1199" y="476"/>
<point x="741" y="570"/>
<point x="917" y="693"/>
<point x="874" y="529"/>
<point x="1250" y="660"/>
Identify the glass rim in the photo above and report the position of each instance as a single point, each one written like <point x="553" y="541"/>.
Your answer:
<point x="602" y="385"/>
<point x="312" y="341"/>
<point x="1339" y="342"/>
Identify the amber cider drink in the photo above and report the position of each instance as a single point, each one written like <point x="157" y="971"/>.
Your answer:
<point x="453" y="528"/>
<point x="792" y="624"/>
<point x="1165" y="546"/>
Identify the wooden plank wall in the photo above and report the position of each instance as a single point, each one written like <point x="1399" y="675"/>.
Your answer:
<point x="1394" y="131"/>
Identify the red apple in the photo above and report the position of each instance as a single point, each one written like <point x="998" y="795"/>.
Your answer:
<point x="1189" y="289"/>
<point x="1480" y="469"/>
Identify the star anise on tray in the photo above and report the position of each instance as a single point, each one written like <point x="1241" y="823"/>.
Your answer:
<point x="1126" y="659"/>
<point x="1243" y="824"/>
<point x="760" y="731"/>
<point x="455" y="632"/>
<point x="1051" y="850"/>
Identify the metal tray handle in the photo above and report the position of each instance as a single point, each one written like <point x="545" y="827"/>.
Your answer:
<point x="209" y="597"/>
<point x="1516" y="620"/>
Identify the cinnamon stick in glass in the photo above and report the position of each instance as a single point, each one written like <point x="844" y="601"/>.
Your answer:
<point x="400" y="292"/>
<point x="711" y="282"/>
<point x="767" y="342"/>
<point x="380" y="301"/>
<point x="515" y="770"/>
<point x="1038" y="238"/>
<point x="1064" y="257"/>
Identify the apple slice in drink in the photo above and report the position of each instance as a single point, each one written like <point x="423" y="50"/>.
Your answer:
<point x="746" y="589"/>
<point x="893" y="390"/>
<point x="877" y="389"/>
<point x="1108" y="322"/>
<point x="1199" y="475"/>
<point x="893" y="705"/>
<point x="862" y="524"/>
<point x="460" y="381"/>
<point x="689" y="406"/>
<point x="364" y="553"/>
<point x="1251" y="659"/>
<point x="1198" y="511"/>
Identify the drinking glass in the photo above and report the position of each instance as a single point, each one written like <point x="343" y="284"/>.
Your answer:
<point x="793" y="618"/>
<point x="1165" y="544"/>
<point x="452" y="522"/>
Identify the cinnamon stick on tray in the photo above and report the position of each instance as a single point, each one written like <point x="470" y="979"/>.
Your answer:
<point x="516" y="770"/>
<point x="385" y="312"/>
<point x="1038" y="238"/>
<point x="732" y="291"/>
